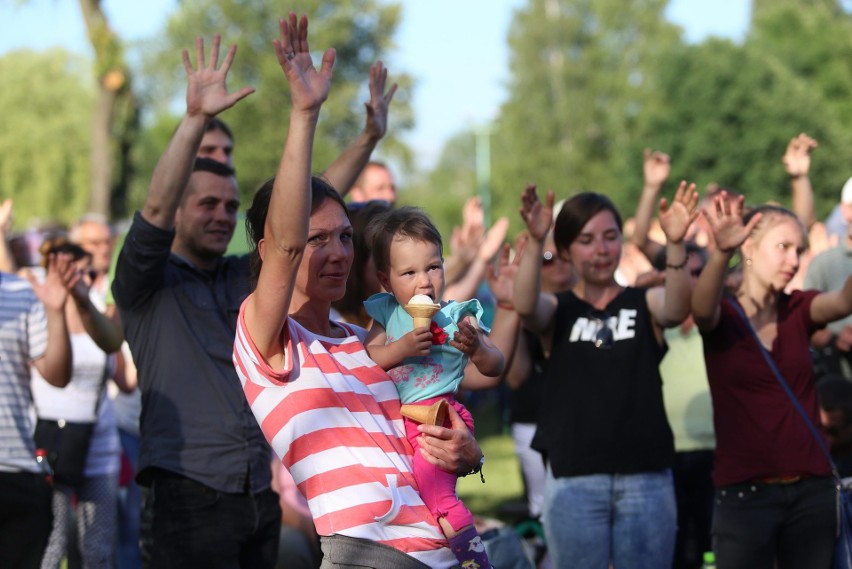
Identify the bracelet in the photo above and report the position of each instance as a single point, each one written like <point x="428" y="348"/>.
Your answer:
<point x="676" y="267"/>
<point x="505" y="306"/>
<point x="477" y="470"/>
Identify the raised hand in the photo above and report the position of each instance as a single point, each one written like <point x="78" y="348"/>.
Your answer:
<point x="308" y="87"/>
<point x="656" y="167"/>
<point x="538" y="216"/>
<point x="676" y="219"/>
<point x="726" y="222"/>
<point x="62" y="275"/>
<point x="797" y="157"/>
<point x="6" y="217"/>
<point x="206" y="92"/>
<point x="466" y="339"/>
<point x="501" y="279"/>
<point x="377" y="107"/>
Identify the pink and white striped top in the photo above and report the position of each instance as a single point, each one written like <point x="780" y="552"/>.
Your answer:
<point x="333" y="416"/>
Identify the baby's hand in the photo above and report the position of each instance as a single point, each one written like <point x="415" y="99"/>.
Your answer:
<point x="417" y="342"/>
<point x="466" y="339"/>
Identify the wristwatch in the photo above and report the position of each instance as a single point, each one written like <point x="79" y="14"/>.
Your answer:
<point x="478" y="469"/>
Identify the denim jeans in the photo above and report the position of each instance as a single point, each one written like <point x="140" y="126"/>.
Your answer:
<point x="756" y="525"/>
<point x="188" y="525"/>
<point x="626" y="519"/>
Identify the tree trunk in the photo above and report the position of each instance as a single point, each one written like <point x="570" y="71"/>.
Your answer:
<point x="113" y="86"/>
<point x="100" y="185"/>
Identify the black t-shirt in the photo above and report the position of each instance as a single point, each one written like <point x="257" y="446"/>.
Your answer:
<point x="603" y="412"/>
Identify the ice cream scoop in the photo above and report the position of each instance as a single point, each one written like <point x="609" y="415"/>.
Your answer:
<point x="421" y="308"/>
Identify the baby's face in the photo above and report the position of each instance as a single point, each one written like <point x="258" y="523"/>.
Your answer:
<point x="416" y="267"/>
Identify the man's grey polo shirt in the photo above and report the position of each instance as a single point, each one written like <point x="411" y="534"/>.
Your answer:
<point x="828" y="271"/>
<point x="180" y="324"/>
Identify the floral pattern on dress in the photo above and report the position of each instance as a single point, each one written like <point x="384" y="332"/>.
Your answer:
<point x="421" y="375"/>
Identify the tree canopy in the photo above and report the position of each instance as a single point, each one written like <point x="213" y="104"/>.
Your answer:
<point x="44" y="142"/>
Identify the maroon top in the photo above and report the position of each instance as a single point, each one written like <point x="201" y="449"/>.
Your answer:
<point x="759" y="433"/>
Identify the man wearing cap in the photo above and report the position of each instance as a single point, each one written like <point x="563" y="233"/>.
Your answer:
<point x="828" y="271"/>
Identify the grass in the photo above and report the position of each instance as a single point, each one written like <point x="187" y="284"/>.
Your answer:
<point x="503" y="488"/>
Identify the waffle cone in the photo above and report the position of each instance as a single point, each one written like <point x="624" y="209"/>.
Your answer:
<point x="434" y="414"/>
<point x="422" y="313"/>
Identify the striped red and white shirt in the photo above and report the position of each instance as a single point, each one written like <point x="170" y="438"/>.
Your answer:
<point x="332" y="414"/>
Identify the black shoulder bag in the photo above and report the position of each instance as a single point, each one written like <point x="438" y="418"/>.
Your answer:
<point x="67" y="443"/>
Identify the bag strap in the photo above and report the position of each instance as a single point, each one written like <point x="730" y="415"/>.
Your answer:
<point x="770" y="361"/>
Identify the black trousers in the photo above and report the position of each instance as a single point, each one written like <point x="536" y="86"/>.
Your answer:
<point x="756" y="525"/>
<point x="26" y="518"/>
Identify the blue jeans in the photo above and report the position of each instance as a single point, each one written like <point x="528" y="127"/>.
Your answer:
<point x="187" y="525"/>
<point x="626" y="519"/>
<point x="789" y="526"/>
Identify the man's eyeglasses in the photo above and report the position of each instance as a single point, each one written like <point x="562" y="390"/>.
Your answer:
<point x="604" y="337"/>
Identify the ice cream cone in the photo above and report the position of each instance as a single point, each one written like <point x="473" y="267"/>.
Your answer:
<point x="433" y="414"/>
<point x="422" y="313"/>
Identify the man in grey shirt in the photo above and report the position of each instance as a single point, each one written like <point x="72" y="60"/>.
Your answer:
<point x="828" y="271"/>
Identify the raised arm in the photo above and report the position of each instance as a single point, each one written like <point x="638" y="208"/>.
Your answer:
<point x="56" y="364"/>
<point x="206" y="96"/>
<point x="343" y="172"/>
<point x="656" y="167"/>
<point x="669" y="305"/>
<point x="477" y="268"/>
<point x="7" y="259"/>
<point x="797" y="164"/>
<point x="726" y="223"/>
<point x="833" y="305"/>
<point x="287" y="220"/>
<point x="537" y="309"/>
<point x="506" y="326"/>
<point x="103" y="331"/>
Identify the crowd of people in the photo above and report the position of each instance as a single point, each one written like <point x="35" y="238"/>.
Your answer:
<point x="254" y="410"/>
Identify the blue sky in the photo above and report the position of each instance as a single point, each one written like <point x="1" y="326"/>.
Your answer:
<point x="455" y="49"/>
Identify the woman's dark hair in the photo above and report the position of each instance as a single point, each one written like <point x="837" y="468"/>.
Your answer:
<point x="256" y="214"/>
<point x="218" y="124"/>
<point x="408" y="221"/>
<point x="61" y="245"/>
<point x="576" y="213"/>
<point x="351" y="306"/>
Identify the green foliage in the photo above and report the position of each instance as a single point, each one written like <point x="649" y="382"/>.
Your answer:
<point x="727" y="115"/>
<point x="582" y="74"/>
<point x="46" y="104"/>
<point x="593" y="82"/>
<point x="443" y="192"/>
<point x="360" y="31"/>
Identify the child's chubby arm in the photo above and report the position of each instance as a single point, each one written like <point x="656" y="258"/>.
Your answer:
<point x="414" y="343"/>
<point x="472" y="341"/>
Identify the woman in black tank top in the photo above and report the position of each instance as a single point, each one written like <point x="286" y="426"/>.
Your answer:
<point x="602" y="426"/>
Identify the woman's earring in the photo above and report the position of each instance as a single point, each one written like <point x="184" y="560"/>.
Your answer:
<point x="748" y="261"/>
